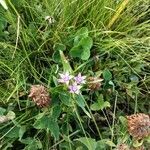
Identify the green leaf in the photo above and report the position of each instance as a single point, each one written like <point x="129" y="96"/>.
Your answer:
<point x="107" y="142"/>
<point x="56" y="112"/>
<point x="81" y="33"/>
<point x="14" y="133"/>
<point x="80" y="100"/>
<point x="3" y="23"/>
<point x="95" y="107"/>
<point x="54" y="128"/>
<point x="76" y="51"/>
<point x="65" y="63"/>
<point x="22" y="130"/>
<point x="103" y="104"/>
<point x="81" y="103"/>
<point x="32" y="143"/>
<point x="82" y="50"/>
<point x="28" y="140"/>
<point x="88" y="142"/>
<point x="100" y="104"/>
<point x="56" y="57"/>
<point x="65" y="98"/>
<point x="101" y="145"/>
<point x="48" y="123"/>
<point x="2" y="110"/>
<point x="42" y="123"/>
<point x="39" y="116"/>
<point x="107" y="75"/>
<point x="86" y="112"/>
<point x="110" y="143"/>
<point x="59" y="47"/>
<point x="87" y="45"/>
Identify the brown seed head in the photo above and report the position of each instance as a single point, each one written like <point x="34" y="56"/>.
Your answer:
<point x="94" y="83"/>
<point x="40" y="95"/>
<point x="139" y="125"/>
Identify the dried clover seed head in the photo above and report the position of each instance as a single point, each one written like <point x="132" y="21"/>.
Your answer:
<point x="40" y="95"/>
<point x="122" y="147"/>
<point x="94" y="83"/>
<point x="139" y="125"/>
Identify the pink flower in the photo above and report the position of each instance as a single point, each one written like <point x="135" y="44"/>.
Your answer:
<point x="65" y="78"/>
<point x="74" y="88"/>
<point x="80" y="79"/>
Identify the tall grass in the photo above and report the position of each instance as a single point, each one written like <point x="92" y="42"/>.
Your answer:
<point x="121" y="34"/>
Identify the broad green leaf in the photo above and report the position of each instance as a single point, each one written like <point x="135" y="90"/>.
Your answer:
<point x="3" y="23"/>
<point x="107" y="142"/>
<point x="104" y="143"/>
<point x="56" y="111"/>
<point x="54" y="128"/>
<point x="56" y="57"/>
<point x="86" y="42"/>
<point x="76" y="51"/>
<point x="88" y="142"/>
<point x="14" y="133"/>
<point x="103" y="104"/>
<point x="86" y="112"/>
<point x="65" y="63"/>
<point x="81" y="33"/>
<point x="81" y="103"/>
<point x="82" y="50"/>
<point x="100" y="104"/>
<point x="65" y="98"/>
<point x="28" y="140"/>
<point x="107" y="75"/>
<point x="101" y="145"/>
<point x="59" y="47"/>
<point x="31" y="143"/>
<point x="40" y="115"/>
<point x="22" y="130"/>
<point x="80" y="100"/>
<point x="48" y="123"/>
<point x="42" y="123"/>
<point x="87" y="45"/>
<point x="2" y="110"/>
<point x="110" y="143"/>
<point x="95" y="107"/>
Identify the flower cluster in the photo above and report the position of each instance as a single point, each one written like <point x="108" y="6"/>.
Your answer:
<point x="74" y="83"/>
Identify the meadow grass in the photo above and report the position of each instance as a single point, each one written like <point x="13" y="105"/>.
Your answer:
<point x="121" y="44"/>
